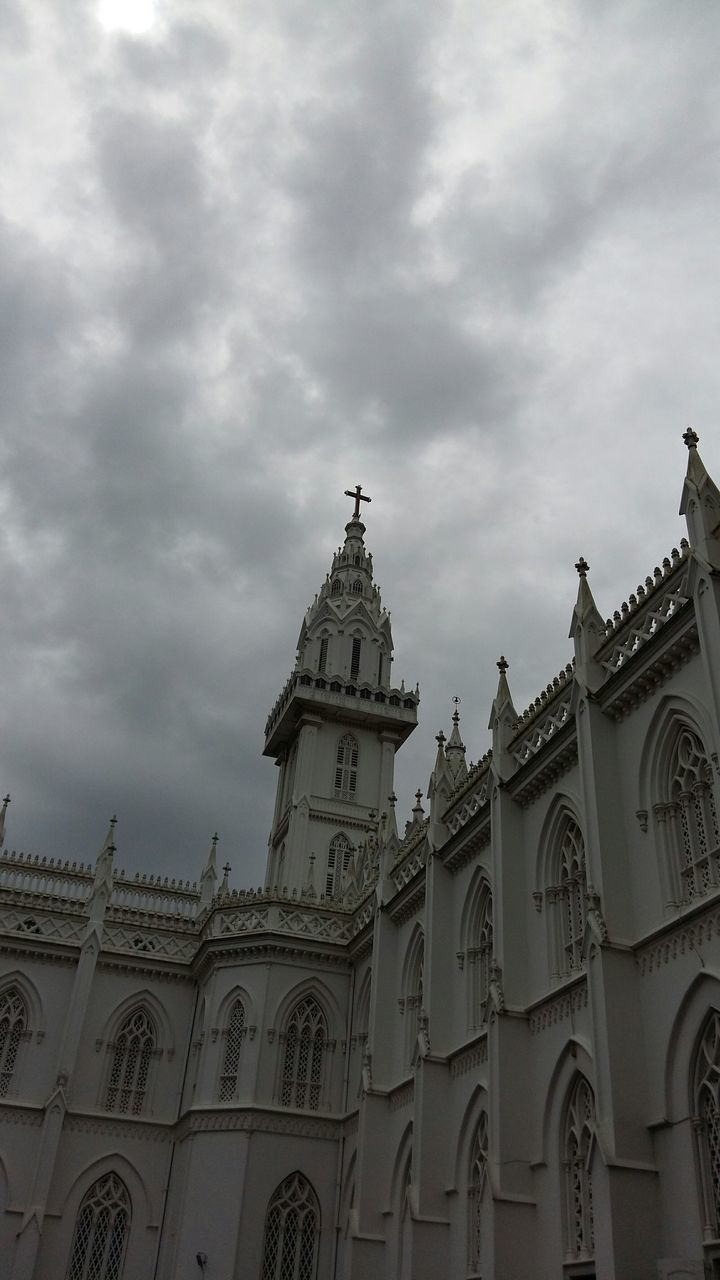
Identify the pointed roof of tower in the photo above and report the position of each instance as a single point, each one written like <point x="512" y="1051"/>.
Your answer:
<point x="503" y="718"/>
<point x="3" y="816"/>
<point x="209" y="875"/>
<point x="103" y="882"/>
<point x="455" y="748"/>
<point x="700" y="504"/>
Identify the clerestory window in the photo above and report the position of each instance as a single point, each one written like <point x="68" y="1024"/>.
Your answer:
<point x="233" y="1034"/>
<point x="305" y="1049"/>
<point x="129" y="1076"/>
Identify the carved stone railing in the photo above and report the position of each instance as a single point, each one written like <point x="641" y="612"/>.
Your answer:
<point x="472" y="798"/>
<point x="53" y="877"/>
<point x="646" y="611"/>
<point x="544" y="718"/>
<point x="156" y="895"/>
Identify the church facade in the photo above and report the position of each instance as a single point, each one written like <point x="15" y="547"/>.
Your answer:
<point x="487" y="1045"/>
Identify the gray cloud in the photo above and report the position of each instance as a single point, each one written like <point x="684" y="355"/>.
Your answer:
<point x="464" y="255"/>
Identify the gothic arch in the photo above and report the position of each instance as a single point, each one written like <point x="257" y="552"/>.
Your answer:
<point x="31" y="996"/>
<point x="562" y="808"/>
<point x="141" y="1193"/>
<point x="575" y="1058"/>
<point x="414" y="956"/>
<point x="325" y="998"/>
<point x="403" y="1157"/>
<point x="476" y="1103"/>
<point x="141" y="999"/>
<point x="671" y="712"/>
<point x="236" y="992"/>
<point x="476" y="942"/>
<point x="700" y="1000"/>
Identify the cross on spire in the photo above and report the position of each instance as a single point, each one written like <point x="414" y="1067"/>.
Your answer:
<point x="359" y="497"/>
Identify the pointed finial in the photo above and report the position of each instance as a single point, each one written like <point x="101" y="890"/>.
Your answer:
<point x="226" y="872"/>
<point x="3" y="812"/>
<point x="582" y="567"/>
<point x="440" y="738"/>
<point x="215" y="838"/>
<point x="503" y="664"/>
<point x="392" y="799"/>
<point x="418" y="797"/>
<point x="691" y="438"/>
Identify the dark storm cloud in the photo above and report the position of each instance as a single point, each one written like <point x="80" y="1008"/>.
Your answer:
<point x="462" y="254"/>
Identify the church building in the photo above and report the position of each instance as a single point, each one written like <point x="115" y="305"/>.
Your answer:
<point x="482" y="1044"/>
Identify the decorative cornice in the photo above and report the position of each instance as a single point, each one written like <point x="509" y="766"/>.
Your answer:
<point x="559" y="1007"/>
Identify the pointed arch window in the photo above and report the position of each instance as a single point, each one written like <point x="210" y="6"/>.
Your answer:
<point x="479" y="955"/>
<point x="477" y="1178"/>
<point x="706" y="1099"/>
<point x="568" y="899"/>
<point x="101" y="1232"/>
<point x="133" y="1053"/>
<point x="234" y="1033"/>
<point x="322" y="659"/>
<point x="357" y="587"/>
<point x="339" y="854"/>
<point x="578" y="1151"/>
<point x="413" y="995"/>
<point x="292" y="1229"/>
<point x="346" y="767"/>
<point x="304" y="1057"/>
<point x="336" y="587"/>
<point x="13" y="1030"/>
<point x="692" y="816"/>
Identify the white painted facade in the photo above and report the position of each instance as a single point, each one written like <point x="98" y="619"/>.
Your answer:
<point x="487" y="1048"/>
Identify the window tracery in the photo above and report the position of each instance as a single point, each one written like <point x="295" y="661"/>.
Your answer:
<point x="346" y="767"/>
<point x="13" y="1025"/>
<point x="234" y="1033"/>
<point x="292" y="1227"/>
<point x="133" y="1052"/>
<point x="413" y="995"/>
<point x="101" y="1232"/>
<point x="693" y="818"/>
<point x="568" y="897"/>
<point x="339" y="854"/>
<point x="479" y="954"/>
<point x="578" y="1150"/>
<point x="303" y="1067"/>
<point x="707" y="1124"/>
<point x="477" y="1177"/>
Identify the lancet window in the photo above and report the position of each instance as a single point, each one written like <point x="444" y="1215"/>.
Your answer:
<point x="346" y="767"/>
<point x="479" y="956"/>
<point x="413" y="996"/>
<point x="322" y="660"/>
<point x="13" y="1026"/>
<point x="355" y="658"/>
<point x="568" y="897"/>
<point x="292" y="1228"/>
<point x="477" y="1177"/>
<point x="304" y="1057"/>
<point x="234" y="1033"/>
<point x="692" y="817"/>
<point x="129" y="1076"/>
<point x="337" y="864"/>
<point x="357" y="587"/>
<point x="336" y="587"/>
<point x="578" y="1151"/>
<point x="707" y="1121"/>
<point x="101" y="1232"/>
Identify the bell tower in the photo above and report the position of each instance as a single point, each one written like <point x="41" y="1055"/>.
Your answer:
<point x="335" y="727"/>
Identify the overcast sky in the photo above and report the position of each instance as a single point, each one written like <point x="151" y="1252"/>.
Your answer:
<point x="464" y="253"/>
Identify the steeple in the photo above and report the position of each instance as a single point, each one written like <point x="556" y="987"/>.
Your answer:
<point x="209" y="875"/>
<point x="587" y="630"/>
<point x="337" y="724"/>
<point x="3" y="817"/>
<point x="700" y="504"/>
<point x="455" y="748"/>
<point x="503" y="718"/>
<point x="101" y="891"/>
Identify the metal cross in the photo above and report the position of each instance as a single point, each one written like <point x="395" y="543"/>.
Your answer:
<point x="359" y="497"/>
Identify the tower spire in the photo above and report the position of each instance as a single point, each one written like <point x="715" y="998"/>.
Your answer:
<point x="455" y="747"/>
<point x="700" y="504"/>
<point x="587" y="630"/>
<point x="3" y="816"/>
